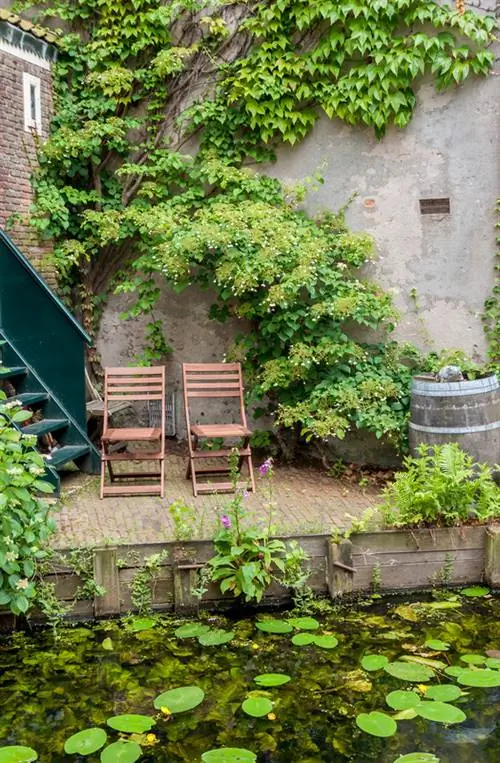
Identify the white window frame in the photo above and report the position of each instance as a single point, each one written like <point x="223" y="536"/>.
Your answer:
<point x="32" y="121"/>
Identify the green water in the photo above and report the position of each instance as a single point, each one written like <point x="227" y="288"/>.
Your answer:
<point x="51" y="689"/>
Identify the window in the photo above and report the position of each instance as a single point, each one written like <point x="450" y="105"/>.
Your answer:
<point x="32" y="103"/>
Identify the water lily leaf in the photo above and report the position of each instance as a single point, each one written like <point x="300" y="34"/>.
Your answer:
<point x="443" y="693"/>
<point x="436" y="645"/>
<point x="326" y="642"/>
<point x="407" y="671"/>
<point x="418" y="757"/>
<point x="304" y="623"/>
<point x="402" y="700"/>
<point x="229" y="755"/>
<point x="191" y="630"/>
<point x="475" y="591"/>
<point x="442" y="605"/>
<point x="16" y="753"/>
<point x="440" y="712"/>
<point x="141" y="624"/>
<point x="121" y="752"/>
<point x="131" y="724"/>
<point x="107" y="644"/>
<point x="493" y="662"/>
<point x="272" y="679"/>
<point x="257" y="706"/>
<point x="181" y="699"/>
<point x="455" y="670"/>
<point x="406" y="612"/>
<point x="215" y="637"/>
<point x="424" y="661"/>
<point x="405" y="715"/>
<point x="303" y="639"/>
<point x="85" y="742"/>
<point x="274" y="626"/>
<point x="377" y="724"/>
<point x="473" y="659"/>
<point x="374" y="662"/>
<point x="482" y="678"/>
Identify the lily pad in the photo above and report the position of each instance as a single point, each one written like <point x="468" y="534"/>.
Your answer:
<point x="85" y="742"/>
<point x="443" y="693"/>
<point x="303" y="639"/>
<point x="16" y="753"/>
<point x="229" y="755"/>
<point x="424" y="661"/>
<point x="215" y="637"/>
<point x="436" y="645"/>
<point x="257" y="706"/>
<point x="374" y="662"/>
<point x="475" y="591"/>
<point x="402" y="700"/>
<point x="272" y="679"/>
<point x="377" y="724"/>
<point x="107" y="644"/>
<point x="406" y="612"/>
<point x="405" y="715"/>
<point x="121" y="752"/>
<point x="455" y="670"/>
<point x="326" y="641"/>
<point x="473" y="659"/>
<point x="131" y="724"/>
<point x="274" y="626"/>
<point x="141" y="624"/>
<point x="493" y="662"/>
<point x="409" y="671"/>
<point x="191" y="630"/>
<point x="440" y="712"/>
<point x="304" y="623"/>
<point x="418" y="757"/>
<point x="483" y="678"/>
<point x="181" y="699"/>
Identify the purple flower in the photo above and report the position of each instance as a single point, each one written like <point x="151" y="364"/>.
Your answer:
<point x="266" y="466"/>
<point x="225" y="521"/>
<point x="246" y="494"/>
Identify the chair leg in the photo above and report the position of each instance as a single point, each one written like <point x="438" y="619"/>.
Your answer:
<point x="103" y="475"/>
<point x="250" y="471"/>
<point x="162" y="477"/>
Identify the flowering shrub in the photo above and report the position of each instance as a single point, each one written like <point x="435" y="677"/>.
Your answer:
<point x="24" y="515"/>
<point x="247" y="559"/>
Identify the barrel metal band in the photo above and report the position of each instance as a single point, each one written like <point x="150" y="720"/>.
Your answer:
<point x="451" y="392"/>
<point x="455" y="430"/>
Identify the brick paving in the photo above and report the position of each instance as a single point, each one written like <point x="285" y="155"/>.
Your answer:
<point x="306" y="501"/>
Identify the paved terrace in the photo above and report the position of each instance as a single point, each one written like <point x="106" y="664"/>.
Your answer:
<point x="307" y="500"/>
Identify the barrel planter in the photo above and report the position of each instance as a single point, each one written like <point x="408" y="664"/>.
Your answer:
<point x="465" y="412"/>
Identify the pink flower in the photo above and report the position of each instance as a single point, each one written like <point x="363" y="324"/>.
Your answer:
<point x="225" y="521"/>
<point x="266" y="466"/>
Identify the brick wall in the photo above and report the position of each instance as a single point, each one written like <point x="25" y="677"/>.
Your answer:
<point x="18" y="158"/>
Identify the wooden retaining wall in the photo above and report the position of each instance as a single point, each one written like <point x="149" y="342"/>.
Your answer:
<point x="387" y="561"/>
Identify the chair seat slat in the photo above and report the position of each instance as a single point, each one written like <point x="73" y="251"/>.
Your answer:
<point x="142" y="370"/>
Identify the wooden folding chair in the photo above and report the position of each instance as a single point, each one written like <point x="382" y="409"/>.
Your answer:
<point x="133" y="384"/>
<point x="215" y="380"/>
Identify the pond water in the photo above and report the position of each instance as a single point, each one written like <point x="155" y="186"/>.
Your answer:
<point x="50" y="689"/>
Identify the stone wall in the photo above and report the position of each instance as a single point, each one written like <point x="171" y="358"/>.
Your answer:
<point x="18" y="152"/>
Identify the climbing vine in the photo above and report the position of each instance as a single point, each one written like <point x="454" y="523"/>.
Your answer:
<point x="491" y="315"/>
<point x="141" y="81"/>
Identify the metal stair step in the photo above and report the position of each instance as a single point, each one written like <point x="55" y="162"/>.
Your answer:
<point x="45" y="426"/>
<point x="8" y="373"/>
<point x="64" y="455"/>
<point x="30" y="398"/>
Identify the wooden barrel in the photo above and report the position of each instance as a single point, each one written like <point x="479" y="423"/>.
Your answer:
<point x="466" y="412"/>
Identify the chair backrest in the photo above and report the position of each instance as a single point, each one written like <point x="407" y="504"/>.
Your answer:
<point x="134" y="384"/>
<point x="206" y="380"/>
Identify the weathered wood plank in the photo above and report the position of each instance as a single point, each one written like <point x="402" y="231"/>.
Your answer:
<point x="439" y="539"/>
<point x="417" y="575"/>
<point x="492" y="562"/>
<point x="106" y="575"/>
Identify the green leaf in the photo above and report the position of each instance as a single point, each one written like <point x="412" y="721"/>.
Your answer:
<point x="303" y="639"/>
<point x="455" y="670"/>
<point x="131" y="724"/>
<point x="215" y="637"/>
<point x="17" y="754"/>
<point x="85" y="742"/>
<point x="141" y="624"/>
<point x="418" y="757"/>
<point x="229" y="755"/>
<point x="493" y="662"/>
<point x="443" y="692"/>
<point x="377" y="724"/>
<point x="272" y="679"/>
<point x="473" y="659"/>
<point x="274" y="626"/>
<point x="436" y="645"/>
<point x="407" y="671"/>
<point x="374" y="662"/>
<point x="107" y="644"/>
<point x="257" y="706"/>
<point x="475" y="591"/>
<point x="180" y="700"/>
<point x="402" y="700"/>
<point x="191" y="630"/>
<point x="326" y="641"/>
<point x="440" y="712"/>
<point x="481" y="678"/>
<point x="121" y="752"/>
<point x="304" y="623"/>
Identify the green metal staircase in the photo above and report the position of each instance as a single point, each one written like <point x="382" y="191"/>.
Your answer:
<point x="42" y="363"/>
